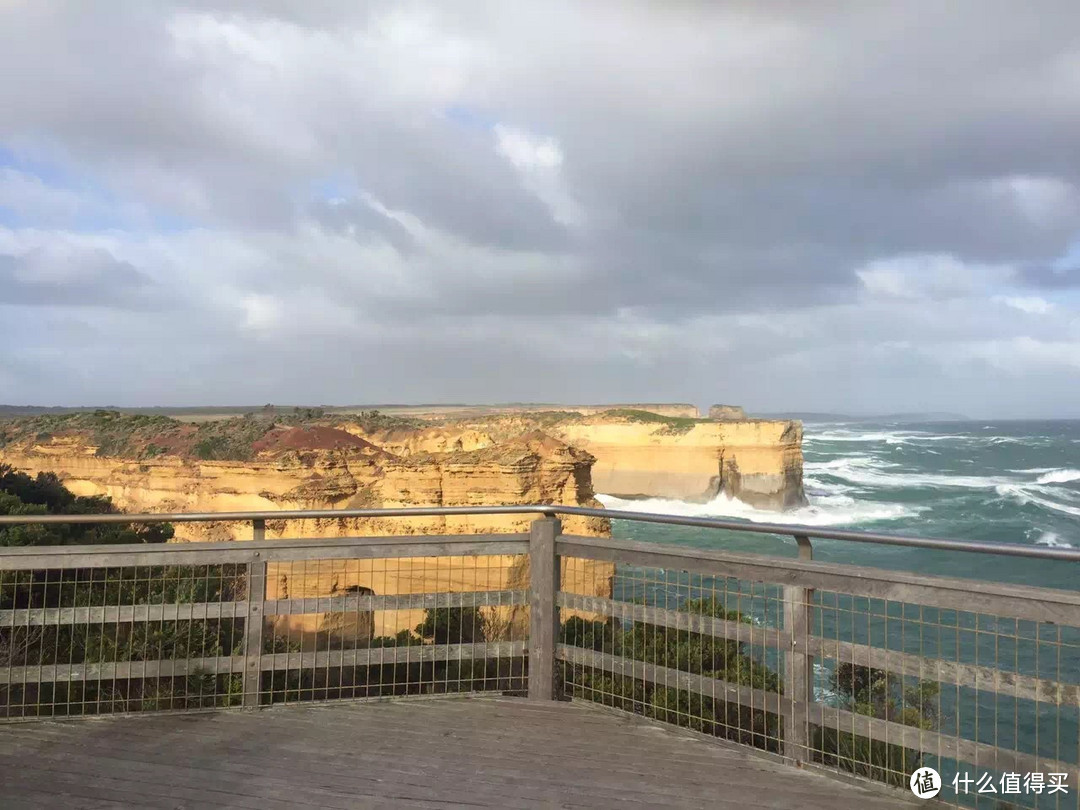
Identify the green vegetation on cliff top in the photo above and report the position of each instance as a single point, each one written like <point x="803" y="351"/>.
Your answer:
<point x="142" y="436"/>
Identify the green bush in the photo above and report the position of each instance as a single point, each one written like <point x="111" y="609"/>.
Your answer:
<point x="877" y="693"/>
<point x="684" y="650"/>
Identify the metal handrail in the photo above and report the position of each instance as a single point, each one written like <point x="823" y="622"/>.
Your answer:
<point x="799" y="532"/>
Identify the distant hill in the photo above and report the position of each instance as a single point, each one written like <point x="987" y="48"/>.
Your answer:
<point x="817" y="416"/>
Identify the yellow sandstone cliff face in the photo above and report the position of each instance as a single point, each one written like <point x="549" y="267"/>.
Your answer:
<point x="529" y="469"/>
<point x="302" y="470"/>
<point x="756" y="461"/>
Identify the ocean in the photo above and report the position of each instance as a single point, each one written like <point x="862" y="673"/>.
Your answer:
<point x="1006" y="482"/>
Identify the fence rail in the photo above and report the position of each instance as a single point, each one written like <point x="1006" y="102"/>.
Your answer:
<point x="847" y="668"/>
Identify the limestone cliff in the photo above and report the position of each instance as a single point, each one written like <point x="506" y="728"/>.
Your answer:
<point x="322" y="467"/>
<point x="758" y="462"/>
<point x="727" y="413"/>
<point x="643" y="454"/>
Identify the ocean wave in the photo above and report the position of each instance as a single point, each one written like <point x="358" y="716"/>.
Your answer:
<point x="1062" y="476"/>
<point x="846" y="462"/>
<point x="888" y="437"/>
<point x="1036" y="495"/>
<point x="815" y="486"/>
<point x="824" y="510"/>
<point x="823" y="678"/>
<point x="1053" y="540"/>
<point x="900" y="437"/>
<point x="869" y="472"/>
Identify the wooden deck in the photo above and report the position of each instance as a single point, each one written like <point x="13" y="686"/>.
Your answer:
<point x="479" y="752"/>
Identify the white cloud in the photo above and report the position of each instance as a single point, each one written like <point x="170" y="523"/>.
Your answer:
<point x="29" y="197"/>
<point x="1031" y="304"/>
<point x="538" y="162"/>
<point x="714" y="190"/>
<point x="261" y="312"/>
<point x="928" y="276"/>
<point x="1044" y="201"/>
<point x="1023" y="354"/>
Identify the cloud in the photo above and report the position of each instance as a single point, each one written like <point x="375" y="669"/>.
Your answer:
<point x="1031" y="304"/>
<point x="60" y="273"/>
<point x="929" y="276"/>
<point x="538" y="162"/>
<point x="687" y="201"/>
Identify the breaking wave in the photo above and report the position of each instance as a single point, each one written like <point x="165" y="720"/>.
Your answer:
<point x="873" y="473"/>
<point x="1052" y="540"/>
<point x="886" y="436"/>
<point x="824" y="510"/>
<point x="1036" y="495"/>
<point x="1063" y="476"/>
<point x="916" y="437"/>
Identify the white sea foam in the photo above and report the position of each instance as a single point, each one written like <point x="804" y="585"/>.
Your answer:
<point x="824" y="510"/>
<point x="1063" y="476"/>
<point x="869" y="472"/>
<point x="899" y="437"/>
<point x="888" y="437"/>
<point x="815" y="486"/>
<point x="1053" y="540"/>
<point x="822" y="681"/>
<point x="1038" y="496"/>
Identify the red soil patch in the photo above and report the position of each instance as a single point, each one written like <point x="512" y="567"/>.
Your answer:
<point x="311" y="438"/>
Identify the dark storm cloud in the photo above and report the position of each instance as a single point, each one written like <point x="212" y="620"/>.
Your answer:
<point x="656" y="199"/>
<point x="92" y="278"/>
<point x="1052" y="278"/>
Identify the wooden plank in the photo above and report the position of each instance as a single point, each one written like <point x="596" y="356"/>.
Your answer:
<point x="66" y="557"/>
<point x="759" y="699"/>
<point x="979" y="754"/>
<point x="355" y="603"/>
<point x="972" y="596"/>
<point x="678" y="620"/>
<point x="1012" y="684"/>
<point x="375" y="656"/>
<point x="480" y="752"/>
<point x="185" y="611"/>
<point x="121" y="670"/>
<point x="115" y="614"/>
<point x="543" y="609"/>
<point x="254" y="627"/>
<point x="296" y="660"/>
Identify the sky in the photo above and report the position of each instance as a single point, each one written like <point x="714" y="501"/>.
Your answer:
<point x="859" y="207"/>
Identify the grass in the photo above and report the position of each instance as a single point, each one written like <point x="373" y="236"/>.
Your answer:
<point x="669" y="425"/>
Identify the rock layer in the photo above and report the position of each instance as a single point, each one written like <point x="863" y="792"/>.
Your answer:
<point x="328" y="468"/>
<point x="756" y="461"/>
<point x="727" y="413"/>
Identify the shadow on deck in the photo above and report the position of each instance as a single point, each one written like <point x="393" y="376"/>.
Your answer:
<point x="473" y="752"/>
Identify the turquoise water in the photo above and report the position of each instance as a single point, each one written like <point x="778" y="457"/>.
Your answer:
<point x="1005" y="482"/>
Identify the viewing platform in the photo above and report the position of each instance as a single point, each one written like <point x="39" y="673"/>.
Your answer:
<point x="449" y="752"/>
<point x="523" y="670"/>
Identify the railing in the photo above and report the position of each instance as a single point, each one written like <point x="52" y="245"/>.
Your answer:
<point x="856" y="670"/>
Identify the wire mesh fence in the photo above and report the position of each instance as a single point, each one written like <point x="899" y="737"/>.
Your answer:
<point x="86" y="637"/>
<point x="882" y="679"/>
<point x="395" y="626"/>
<point x="878" y="675"/>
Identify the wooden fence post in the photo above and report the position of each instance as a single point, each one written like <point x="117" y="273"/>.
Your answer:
<point x="253" y="630"/>
<point x="799" y="666"/>
<point x="543" y="612"/>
